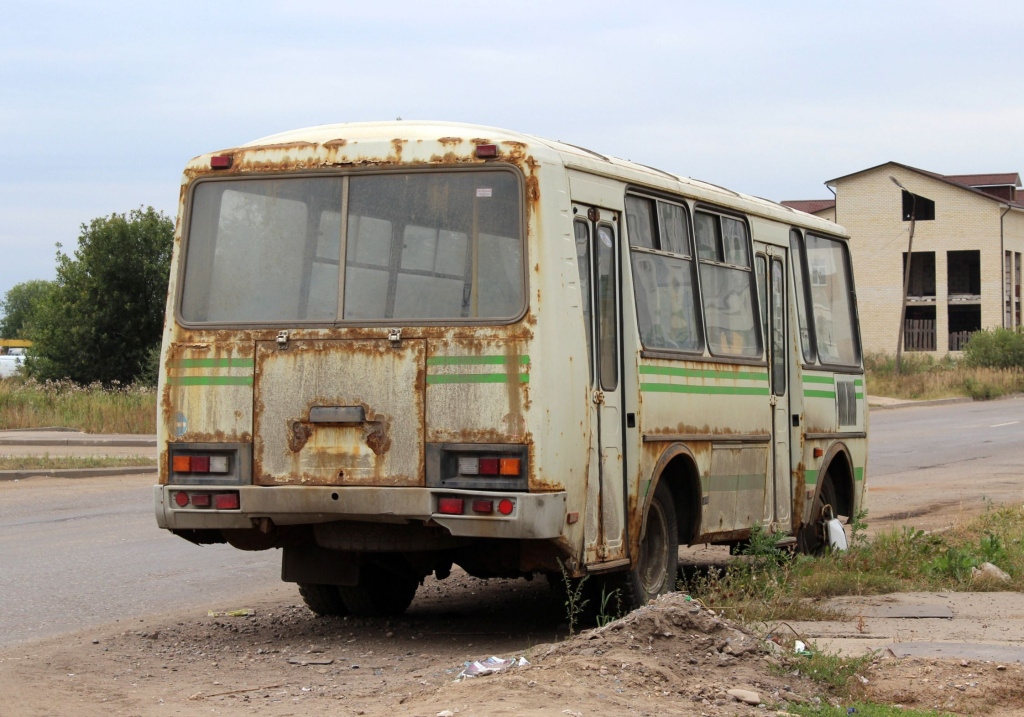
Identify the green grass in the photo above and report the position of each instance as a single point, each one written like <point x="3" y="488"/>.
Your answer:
<point x="48" y="462"/>
<point x="93" y="409"/>
<point x="863" y="709"/>
<point x="766" y="586"/>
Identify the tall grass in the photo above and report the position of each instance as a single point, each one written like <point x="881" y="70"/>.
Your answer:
<point x="922" y="377"/>
<point x="94" y="409"/>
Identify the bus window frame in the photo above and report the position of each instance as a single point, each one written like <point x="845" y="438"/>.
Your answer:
<point x="818" y="364"/>
<point x="762" y="359"/>
<point x="338" y="322"/>
<point x="655" y="197"/>
<point x="799" y="254"/>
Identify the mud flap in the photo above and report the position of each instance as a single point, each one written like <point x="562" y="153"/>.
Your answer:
<point x="315" y="565"/>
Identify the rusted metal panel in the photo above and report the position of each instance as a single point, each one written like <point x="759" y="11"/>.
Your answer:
<point x="386" y="381"/>
<point x="736" y="487"/>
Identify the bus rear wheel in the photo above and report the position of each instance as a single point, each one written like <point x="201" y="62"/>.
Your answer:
<point x="657" y="564"/>
<point x="811" y="538"/>
<point x="381" y="592"/>
<point x="323" y="599"/>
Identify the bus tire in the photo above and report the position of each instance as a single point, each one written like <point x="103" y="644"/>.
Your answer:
<point x="657" y="565"/>
<point x="380" y="592"/>
<point x="323" y="599"/>
<point x="811" y="537"/>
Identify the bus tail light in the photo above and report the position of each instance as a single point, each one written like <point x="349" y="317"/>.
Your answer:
<point x="226" y="501"/>
<point x="509" y="467"/>
<point x="506" y="506"/>
<point x="199" y="464"/>
<point x="451" y="506"/>
<point x="489" y="466"/>
<point x="181" y="499"/>
<point x="483" y="506"/>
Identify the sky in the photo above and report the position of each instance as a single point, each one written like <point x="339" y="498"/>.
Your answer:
<point x="103" y="103"/>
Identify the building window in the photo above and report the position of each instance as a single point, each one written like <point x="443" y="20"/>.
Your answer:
<point x="919" y="329"/>
<point x="964" y="320"/>
<point x="922" y="276"/>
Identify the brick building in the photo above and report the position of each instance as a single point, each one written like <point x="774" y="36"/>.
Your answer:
<point x="968" y="246"/>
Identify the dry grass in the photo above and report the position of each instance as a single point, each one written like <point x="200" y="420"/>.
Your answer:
<point x="93" y="409"/>
<point x="922" y="377"/>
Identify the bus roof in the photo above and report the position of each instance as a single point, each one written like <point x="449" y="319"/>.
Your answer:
<point x="452" y="134"/>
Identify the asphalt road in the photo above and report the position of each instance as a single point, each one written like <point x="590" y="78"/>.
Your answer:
<point x="78" y="553"/>
<point x="930" y="465"/>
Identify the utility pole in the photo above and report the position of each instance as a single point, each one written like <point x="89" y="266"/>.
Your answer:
<point x="906" y="272"/>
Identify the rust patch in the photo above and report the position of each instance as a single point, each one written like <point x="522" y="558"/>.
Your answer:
<point x="396" y="146"/>
<point x="377" y="438"/>
<point x="298" y="434"/>
<point x="445" y="141"/>
<point x="334" y="144"/>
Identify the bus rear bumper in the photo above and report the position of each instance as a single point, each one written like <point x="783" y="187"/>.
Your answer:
<point x="533" y="515"/>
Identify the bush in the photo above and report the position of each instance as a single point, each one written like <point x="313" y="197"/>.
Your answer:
<point x="995" y="348"/>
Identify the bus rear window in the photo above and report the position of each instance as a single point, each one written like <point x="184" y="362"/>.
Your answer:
<point x="417" y="246"/>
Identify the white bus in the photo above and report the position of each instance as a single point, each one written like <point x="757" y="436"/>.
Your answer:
<point x="395" y="347"/>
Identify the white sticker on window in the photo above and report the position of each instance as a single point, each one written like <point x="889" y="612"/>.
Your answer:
<point x="484" y="191"/>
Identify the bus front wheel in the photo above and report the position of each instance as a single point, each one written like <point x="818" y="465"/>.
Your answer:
<point x="657" y="564"/>
<point x="811" y="538"/>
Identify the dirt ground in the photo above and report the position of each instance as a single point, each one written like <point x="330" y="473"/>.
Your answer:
<point x="670" y="658"/>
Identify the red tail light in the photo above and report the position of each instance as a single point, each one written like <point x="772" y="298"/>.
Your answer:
<point x="451" y="506"/>
<point x="226" y="501"/>
<point x="489" y="466"/>
<point x="181" y="499"/>
<point x="483" y="506"/>
<point x="506" y="506"/>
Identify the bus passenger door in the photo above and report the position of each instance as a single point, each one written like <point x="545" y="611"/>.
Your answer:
<point x="597" y="248"/>
<point x="777" y="333"/>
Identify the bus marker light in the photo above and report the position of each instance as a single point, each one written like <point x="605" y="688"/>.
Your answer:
<point x="571" y="518"/>
<point x="201" y="500"/>
<point x="506" y="506"/>
<point x="818" y="452"/>
<point x="469" y="466"/>
<point x="226" y="501"/>
<point x="486" y="150"/>
<point x="181" y="464"/>
<point x="489" y="466"/>
<point x="181" y="498"/>
<point x="509" y="466"/>
<point x="451" y="506"/>
<point x="221" y="161"/>
<point x="483" y="506"/>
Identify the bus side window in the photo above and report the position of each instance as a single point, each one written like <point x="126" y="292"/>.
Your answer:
<point x="796" y="244"/>
<point x="582" y="232"/>
<point x="664" y="276"/>
<point x="727" y="284"/>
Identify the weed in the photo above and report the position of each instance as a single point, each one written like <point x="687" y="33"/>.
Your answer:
<point x="48" y="462"/>
<point x="606" y="614"/>
<point x="575" y="602"/>
<point x="862" y="709"/>
<point x="832" y="669"/>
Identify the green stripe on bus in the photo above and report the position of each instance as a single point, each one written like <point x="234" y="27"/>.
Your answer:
<point x="213" y="363"/>
<point x="858" y="474"/>
<point x="858" y="382"/>
<point x="810" y="477"/>
<point x="701" y="373"/>
<point x="718" y="390"/>
<point x="819" y="379"/>
<point x="477" y="378"/>
<point x="819" y="394"/>
<point x="475" y="360"/>
<point x="209" y="380"/>
<point x="717" y="484"/>
<point x="859" y="396"/>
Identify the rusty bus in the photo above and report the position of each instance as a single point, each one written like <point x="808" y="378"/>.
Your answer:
<point x="392" y="348"/>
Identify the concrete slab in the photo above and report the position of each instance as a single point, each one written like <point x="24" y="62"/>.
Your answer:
<point x="903" y="612"/>
<point x="958" y="651"/>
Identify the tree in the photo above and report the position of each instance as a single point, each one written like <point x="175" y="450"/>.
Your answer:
<point x="105" y="313"/>
<point x="19" y="307"/>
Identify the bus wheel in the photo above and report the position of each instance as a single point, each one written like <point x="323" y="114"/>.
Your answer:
<point x="658" y="563"/>
<point x="380" y="592"/>
<point x="323" y="599"/>
<point x="811" y="538"/>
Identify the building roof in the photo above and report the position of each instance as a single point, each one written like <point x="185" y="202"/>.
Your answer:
<point x="811" y="206"/>
<point x="951" y="179"/>
<point x="1009" y="179"/>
